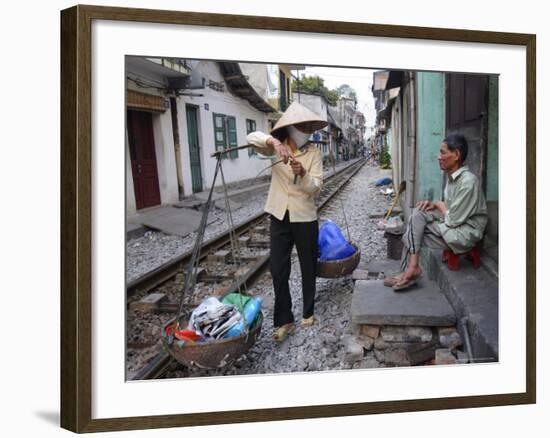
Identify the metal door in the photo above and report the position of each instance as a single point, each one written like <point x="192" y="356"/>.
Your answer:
<point x="143" y="158"/>
<point x="194" y="147"/>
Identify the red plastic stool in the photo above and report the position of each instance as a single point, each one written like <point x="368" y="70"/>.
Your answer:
<point x="453" y="260"/>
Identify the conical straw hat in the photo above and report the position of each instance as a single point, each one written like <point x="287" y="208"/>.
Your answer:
<point x="297" y="113"/>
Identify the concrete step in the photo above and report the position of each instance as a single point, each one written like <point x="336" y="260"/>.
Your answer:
<point x="388" y="267"/>
<point x="473" y="293"/>
<point x="422" y="305"/>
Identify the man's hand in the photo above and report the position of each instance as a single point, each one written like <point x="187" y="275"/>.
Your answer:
<point x="441" y="206"/>
<point x="297" y="168"/>
<point x="425" y="205"/>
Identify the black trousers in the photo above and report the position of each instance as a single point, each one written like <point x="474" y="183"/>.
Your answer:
<point x="284" y="234"/>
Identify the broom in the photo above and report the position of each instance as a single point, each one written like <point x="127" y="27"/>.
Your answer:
<point x="402" y="187"/>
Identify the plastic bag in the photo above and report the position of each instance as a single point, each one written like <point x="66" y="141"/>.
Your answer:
<point x="383" y="181"/>
<point x="213" y="318"/>
<point x="332" y="243"/>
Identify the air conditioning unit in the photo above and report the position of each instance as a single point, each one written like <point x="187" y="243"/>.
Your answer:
<point x="196" y="81"/>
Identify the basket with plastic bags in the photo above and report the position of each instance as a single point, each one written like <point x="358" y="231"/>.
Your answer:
<point x="218" y="331"/>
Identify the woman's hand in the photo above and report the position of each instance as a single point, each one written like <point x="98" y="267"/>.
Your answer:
<point x="297" y="168"/>
<point x="280" y="148"/>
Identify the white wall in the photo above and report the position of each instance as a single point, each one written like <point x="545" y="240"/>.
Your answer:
<point x="166" y="158"/>
<point x="244" y="167"/>
<point x="35" y="167"/>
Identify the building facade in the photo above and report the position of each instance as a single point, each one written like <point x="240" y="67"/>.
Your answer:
<point x="179" y="112"/>
<point x="417" y="110"/>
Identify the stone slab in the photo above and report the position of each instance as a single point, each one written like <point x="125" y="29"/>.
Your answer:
<point x="360" y="274"/>
<point x="171" y="220"/>
<point x="388" y="267"/>
<point x="373" y="303"/>
<point x="190" y="203"/>
<point x="220" y="204"/>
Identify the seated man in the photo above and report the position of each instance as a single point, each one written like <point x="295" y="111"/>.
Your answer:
<point x="458" y="223"/>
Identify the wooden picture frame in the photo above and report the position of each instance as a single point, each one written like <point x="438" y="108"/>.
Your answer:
<point x="76" y="217"/>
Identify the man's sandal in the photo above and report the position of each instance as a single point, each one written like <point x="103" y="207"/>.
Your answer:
<point x="308" y="322"/>
<point x="280" y="333"/>
<point x="391" y="281"/>
<point x="405" y="284"/>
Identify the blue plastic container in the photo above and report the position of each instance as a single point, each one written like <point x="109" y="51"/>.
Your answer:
<point x="251" y="311"/>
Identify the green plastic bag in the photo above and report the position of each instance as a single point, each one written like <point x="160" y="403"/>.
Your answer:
<point x="237" y="299"/>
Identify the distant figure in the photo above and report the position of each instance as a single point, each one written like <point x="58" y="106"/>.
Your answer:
<point x="293" y="212"/>
<point x="458" y="223"/>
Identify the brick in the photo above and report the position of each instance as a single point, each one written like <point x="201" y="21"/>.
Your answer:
<point x="421" y="353"/>
<point x="219" y="256"/>
<point x="366" y="341"/>
<point x="406" y="334"/>
<point x="150" y="303"/>
<point x="353" y="350"/>
<point x="449" y="337"/>
<point x="462" y="357"/>
<point x="396" y="357"/>
<point x="355" y="329"/>
<point x="443" y="356"/>
<point x="371" y="331"/>
<point x="380" y="344"/>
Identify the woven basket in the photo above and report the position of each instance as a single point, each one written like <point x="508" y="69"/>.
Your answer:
<point x="339" y="268"/>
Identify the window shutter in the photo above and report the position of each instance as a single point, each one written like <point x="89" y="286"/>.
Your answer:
<point x="232" y="136"/>
<point x="219" y="132"/>
<point x="250" y="127"/>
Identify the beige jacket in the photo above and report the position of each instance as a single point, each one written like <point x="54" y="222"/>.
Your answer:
<point x="284" y="195"/>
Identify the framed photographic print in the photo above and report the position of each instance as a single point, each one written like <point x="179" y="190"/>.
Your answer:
<point x="199" y="149"/>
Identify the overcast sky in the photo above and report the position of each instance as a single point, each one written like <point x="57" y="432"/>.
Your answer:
<point x="359" y="79"/>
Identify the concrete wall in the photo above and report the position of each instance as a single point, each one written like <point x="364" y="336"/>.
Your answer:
<point x="491" y="188"/>
<point x="430" y="131"/>
<point x="312" y="102"/>
<point x="492" y="141"/>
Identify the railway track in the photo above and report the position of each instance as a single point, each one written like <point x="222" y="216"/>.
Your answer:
<point x="217" y="272"/>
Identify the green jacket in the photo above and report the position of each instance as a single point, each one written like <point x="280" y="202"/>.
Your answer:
<point x="466" y="217"/>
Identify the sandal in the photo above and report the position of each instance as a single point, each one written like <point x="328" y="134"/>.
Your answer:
<point x="308" y="322"/>
<point x="407" y="283"/>
<point x="280" y="333"/>
<point x="391" y="281"/>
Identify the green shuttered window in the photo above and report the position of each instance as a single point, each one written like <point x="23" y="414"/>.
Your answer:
<point x="225" y="134"/>
<point x="250" y="127"/>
